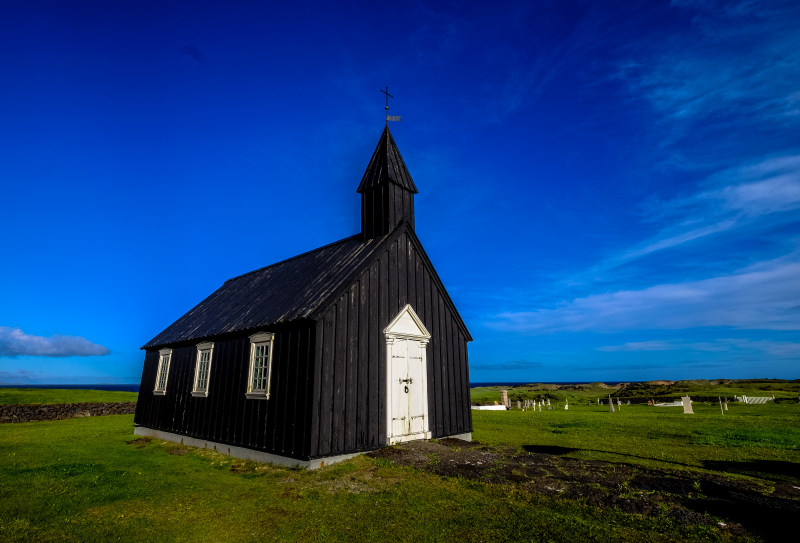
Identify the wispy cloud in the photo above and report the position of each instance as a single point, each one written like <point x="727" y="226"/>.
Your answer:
<point x="761" y="297"/>
<point x="775" y="348"/>
<point x="734" y="198"/>
<point x="15" y="342"/>
<point x="693" y="76"/>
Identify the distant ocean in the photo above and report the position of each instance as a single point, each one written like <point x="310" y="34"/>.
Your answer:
<point x="124" y="388"/>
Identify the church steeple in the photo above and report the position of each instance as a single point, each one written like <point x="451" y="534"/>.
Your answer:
<point x="387" y="190"/>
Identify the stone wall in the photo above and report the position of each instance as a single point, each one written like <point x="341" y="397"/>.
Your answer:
<point x="58" y="411"/>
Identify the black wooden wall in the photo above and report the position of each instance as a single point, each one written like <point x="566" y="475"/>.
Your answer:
<point x="349" y="412"/>
<point x="279" y="425"/>
<point x="383" y="207"/>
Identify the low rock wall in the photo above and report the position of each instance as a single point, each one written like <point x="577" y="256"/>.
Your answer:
<point x="58" y="411"/>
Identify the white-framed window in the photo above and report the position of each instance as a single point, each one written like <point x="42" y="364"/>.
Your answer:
<point x="163" y="372"/>
<point x="202" y="369"/>
<point x="260" y="366"/>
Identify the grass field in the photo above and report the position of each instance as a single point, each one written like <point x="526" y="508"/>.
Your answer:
<point x="782" y="390"/>
<point x="62" y="395"/>
<point x="90" y="479"/>
<point x="746" y="437"/>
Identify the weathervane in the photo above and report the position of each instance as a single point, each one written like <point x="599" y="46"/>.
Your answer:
<point x="389" y="117"/>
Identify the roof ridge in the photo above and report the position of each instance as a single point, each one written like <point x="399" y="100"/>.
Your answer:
<point x="293" y="257"/>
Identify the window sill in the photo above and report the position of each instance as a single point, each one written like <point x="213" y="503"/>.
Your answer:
<point x="159" y="392"/>
<point x="200" y="393"/>
<point x="257" y="395"/>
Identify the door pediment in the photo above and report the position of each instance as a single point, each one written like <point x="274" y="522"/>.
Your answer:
<point x="408" y="325"/>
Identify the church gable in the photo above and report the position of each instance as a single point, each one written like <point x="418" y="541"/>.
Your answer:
<point x="351" y="348"/>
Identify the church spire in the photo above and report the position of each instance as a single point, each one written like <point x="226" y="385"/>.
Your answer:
<point x="387" y="190"/>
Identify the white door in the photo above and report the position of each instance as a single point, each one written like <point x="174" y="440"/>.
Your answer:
<point x="408" y="375"/>
<point x="406" y="387"/>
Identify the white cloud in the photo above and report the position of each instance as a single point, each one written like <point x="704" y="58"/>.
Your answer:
<point x="665" y="345"/>
<point x="775" y="348"/>
<point x="761" y="297"/>
<point x="734" y="199"/>
<point x="741" y="57"/>
<point x="15" y="342"/>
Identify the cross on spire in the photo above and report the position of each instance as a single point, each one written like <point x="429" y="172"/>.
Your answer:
<point x="389" y="117"/>
<point x="386" y="92"/>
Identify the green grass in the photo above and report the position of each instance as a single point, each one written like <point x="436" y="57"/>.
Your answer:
<point x="89" y="479"/>
<point x="782" y="389"/>
<point x="59" y="395"/>
<point x="80" y="480"/>
<point x="661" y="437"/>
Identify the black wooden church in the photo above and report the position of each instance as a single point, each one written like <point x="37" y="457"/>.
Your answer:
<point x="337" y="351"/>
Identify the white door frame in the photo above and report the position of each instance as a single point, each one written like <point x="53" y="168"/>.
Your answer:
<point x="413" y="330"/>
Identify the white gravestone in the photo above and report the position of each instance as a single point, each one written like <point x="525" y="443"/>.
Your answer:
<point x="611" y="404"/>
<point x="687" y="405"/>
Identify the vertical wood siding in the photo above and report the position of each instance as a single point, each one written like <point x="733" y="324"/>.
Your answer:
<point x="280" y="425"/>
<point x="350" y="357"/>
<point x="383" y="207"/>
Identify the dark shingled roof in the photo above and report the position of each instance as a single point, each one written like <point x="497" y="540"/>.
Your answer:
<point x="289" y="290"/>
<point x="386" y="164"/>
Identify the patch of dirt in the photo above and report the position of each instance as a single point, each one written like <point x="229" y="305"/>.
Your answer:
<point x="178" y="451"/>
<point x="140" y="442"/>
<point x="688" y="498"/>
<point x="241" y="467"/>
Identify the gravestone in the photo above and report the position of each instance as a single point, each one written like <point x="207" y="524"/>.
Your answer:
<point x="721" y="410"/>
<point x="687" y="405"/>
<point x="725" y="404"/>
<point x="504" y="397"/>
<point x="611" y="405"/>
<point x="629" y="402"/>
<point x="519" y="404"/>
<point x="548" y="402"/>
<point x="566" y="406"/>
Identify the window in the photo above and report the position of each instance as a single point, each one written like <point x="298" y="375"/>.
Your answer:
<point x="260" y="365"/>
<point x="202" y="369"/>
<point x="163" y="372"/>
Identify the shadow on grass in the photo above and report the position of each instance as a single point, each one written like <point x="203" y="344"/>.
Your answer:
<point x="555" y="450"/>
<point x="774" y="470"/>
<point x="549" y="449"/>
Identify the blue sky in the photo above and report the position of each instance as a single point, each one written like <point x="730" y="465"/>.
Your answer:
<point x="609" y="191"/>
